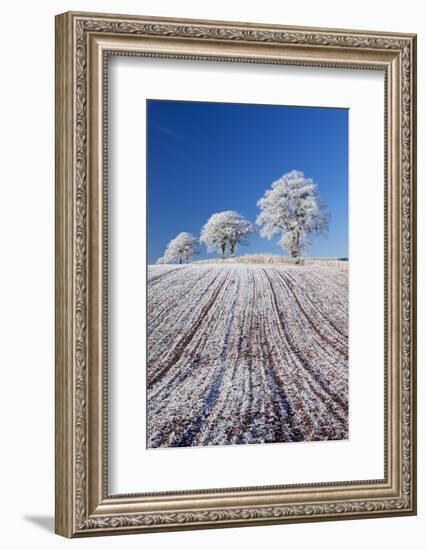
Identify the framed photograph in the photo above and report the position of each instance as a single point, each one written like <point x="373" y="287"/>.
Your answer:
<point x="235" y="274"/>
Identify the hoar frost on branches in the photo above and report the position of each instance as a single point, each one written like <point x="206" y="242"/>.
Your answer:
<point x="291" y="208"/>
<point x="180" y="249"/>
<point x="224" y="228"/>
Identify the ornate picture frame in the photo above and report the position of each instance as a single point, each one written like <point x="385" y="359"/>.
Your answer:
<point x="84" y="42"/>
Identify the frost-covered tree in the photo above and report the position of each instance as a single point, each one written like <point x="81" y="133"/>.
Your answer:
<point x="180" y="249"/>
<point x="224" y="228"/>
<point x="292" y="208"/>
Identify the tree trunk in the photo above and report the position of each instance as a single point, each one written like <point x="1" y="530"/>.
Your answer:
<point x="222" y="250"/>
<point x="232" y="247"/>
<point x="295" y="248"/>
<point x="180" y="260"/>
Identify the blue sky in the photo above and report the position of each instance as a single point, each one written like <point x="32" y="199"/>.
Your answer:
<point x="208" y="157"/>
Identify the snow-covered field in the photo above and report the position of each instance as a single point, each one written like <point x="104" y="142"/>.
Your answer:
<point x="241" y="353"/>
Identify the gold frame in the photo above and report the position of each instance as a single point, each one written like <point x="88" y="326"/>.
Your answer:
<point x="83" y="42"/>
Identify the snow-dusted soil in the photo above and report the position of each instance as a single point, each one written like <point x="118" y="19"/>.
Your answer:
<point x="242" y="353"/>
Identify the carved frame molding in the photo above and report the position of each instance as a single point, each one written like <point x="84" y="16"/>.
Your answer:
<point x="83" y="42"/>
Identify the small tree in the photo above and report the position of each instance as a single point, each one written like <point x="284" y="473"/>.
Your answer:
<point x="292" y="209"/>
<point x="228" y="227"/>
<point x="182" y="248"/>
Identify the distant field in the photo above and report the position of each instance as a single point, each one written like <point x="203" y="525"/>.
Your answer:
<point x="241" y="353"/>
<point x="277" y="259"/>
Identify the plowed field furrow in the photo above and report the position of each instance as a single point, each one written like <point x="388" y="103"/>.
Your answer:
<point x="241" y="353"/>
<point x="315" y="312"/>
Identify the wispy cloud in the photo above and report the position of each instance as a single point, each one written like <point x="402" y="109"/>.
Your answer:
<point x="169" y="133"/>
